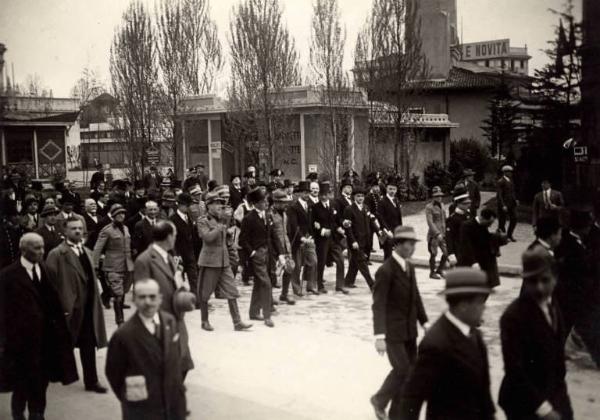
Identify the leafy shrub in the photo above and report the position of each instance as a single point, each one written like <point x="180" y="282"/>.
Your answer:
<point x="436" y="174"/>
<point x="468" y="153"/>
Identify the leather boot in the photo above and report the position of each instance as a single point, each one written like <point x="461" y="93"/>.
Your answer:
<point x="118" y="305"/>
<point x="238" y="324"/>
<point x="204" y="317"/>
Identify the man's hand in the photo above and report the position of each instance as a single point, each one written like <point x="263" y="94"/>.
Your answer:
<point x="389" y="234"/>
<point x="252" y="254"/>
<point x="282" y="259"/>
<point x="452" y="259"/>
<point x="317" y="225"/>
<point x="504" y="209"/>
<point x="355" y="245"/>
<point x="380" y="346"/>
<point x="341" y="231"/>
<point x="426" y="326"/>
<point x="553" y="415"/>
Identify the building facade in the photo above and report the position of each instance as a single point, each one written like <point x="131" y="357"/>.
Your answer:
<point x="497" y="54"/>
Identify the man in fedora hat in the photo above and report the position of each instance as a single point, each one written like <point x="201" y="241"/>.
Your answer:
<point x="214" y="262"/>
<point x="360" y="225"/>
<point x="52" y="236"/>
<point x="533" y="341"/>
<point x="436" y="233"/>
<point x="389" y="214"/>
<point x="451" y="373"/>
<point x="468" y="182"/>
<point x="461" y="214"/>
<point x="507" y="202"/>
<point x="142" y="232"/>
<point x="397" y="307"/>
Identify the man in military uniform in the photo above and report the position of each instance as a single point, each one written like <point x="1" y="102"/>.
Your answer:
<point x="436" y="233"/>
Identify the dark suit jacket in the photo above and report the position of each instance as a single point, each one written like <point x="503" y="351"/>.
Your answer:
<point x="476" y="245"/>
<point x="255" y="234"/>
<point x="186" y="232"/>
<point x="340" y="205"/>
<point x="300" y="223"/>
<point x="506" y="193"/>
<point x="451" y="374"/>
<point x="453" y="225"/>
<point x="51" y="239"/>
<point x="540" y="209"/>
<point x="235" y="197"/>
<point x="389" y="215"/>
<point x="397" y="304"/>
<point x="133" y="351"/>
<point x="142" y="236"/>
<point x="361" y="229"/>
<point x="151" y="182"/>
<point x="93" y="229"/>
<point x="33" y="330"/>
<point x="150" y="265"/>
<point x="534" y="360"/>
<point x="326" y="218"/>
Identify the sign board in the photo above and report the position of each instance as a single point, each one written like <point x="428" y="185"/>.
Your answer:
<point x="486" y="49"/>
<point x="153" y="155"/>
<point x="215" y="144"/>
<point x="580" y="154"/>
<point x="312" y="168"/>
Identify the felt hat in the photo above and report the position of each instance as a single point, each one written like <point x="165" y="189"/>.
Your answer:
<point x="346" y="182"/>
<point x="168" y="196"/>
<point x="358" y="189"/>
<point x="183" y="301"/>
<point x="280" y="196"/>
<point x="37" y="185"/>
<point x="256" y="195"/>
<point x="391" y="180"/>
<point x="313" y="176"/>
<point x="536" y="261"/>
<point x="324" y="188"/>
<point x="50" y="209"/>
<point x="468" y="172"/>
<point x="466" y="281"/>
<point x="138" y="184"/>
<point x="276" y="172"/>
<point x="117" y="209"/>
<point x="405" y="232"/>
<point x="304" y="186"/>
<point x="460" y="193"/>
<point x="185" y="199"/>
<point x="437" y="192"/>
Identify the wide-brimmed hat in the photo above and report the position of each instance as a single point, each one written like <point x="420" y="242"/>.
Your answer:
<point x="405" y="232"/>
<point x="466" y="281"/>
<point x="536" y="261"/>
<point x="507" y="168"/>
<point x="183" y="301"/>
<point x="313" y="176"/>
<point x="37" y="185"/>
<point x="49" y="209"/>
<point x="214" y="197"/>
<point x="437" y="192"/>
<point x="280" y="196"/>
<point x="256" y="195"/>
<point x="117" y="209"/>
<point x="468" y="172"/>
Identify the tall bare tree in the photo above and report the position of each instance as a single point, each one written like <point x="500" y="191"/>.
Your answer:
<point x="134" y="75"/>
<point x="263" y="62"/>
<point x="88" y="86"/>
<point x="390" y="64"/>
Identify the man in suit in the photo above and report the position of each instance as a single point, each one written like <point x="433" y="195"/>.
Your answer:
<point x="235" y="191"/>
<point x="300" y="234"/>
<point x="143" y="364"/>
<point x="191" y="179"/>
<point x="507" y="202"/>
<point x="214" y="263"/>
<point x="281" y="201"/>
<point x="48" y="231"/>
<point x="71" y="272"/>
<point x="327" y="236"/>
<point x="460" y="215"/>
<point x="186" y="237"/>
<point x="547" y="203"/>
<point x="67" y="205"/>
<point x="258" y="240"/>
<point x="35" y="345"/>
<point x="389" y="215"/>
<point x="114" y="242"/>
<point x="436" y="233"/>
<point x="548" y="234"/>
<point x="451" y="373"/>
<point x="142" y="234"/>
<point x="97" y="177"/>
<point x="157" y="263"/>
<point x="72" y="196"/>
<point x="468" y="182"/>
<point x="136" y="205"/>
<point x="397" y="306"/>
<point x="479" y="246"/>
<point x="360" y="225"/>
<point x="30" y="220"/>
<point x="92" y="222"/>
<point x="533" y="340"/>
<point x="152" y="180"/>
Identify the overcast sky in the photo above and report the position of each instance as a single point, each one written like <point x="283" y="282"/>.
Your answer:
<point x="58" y="38"/>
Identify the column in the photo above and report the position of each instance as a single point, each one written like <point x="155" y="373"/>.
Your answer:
<point x="3" y="146"/>
<point x="302" y="149"/>
<point x="184" y="164"/>
<point x="210" y="163"/>
<point x="35" y="155"/>
<point x="351" y="144"/>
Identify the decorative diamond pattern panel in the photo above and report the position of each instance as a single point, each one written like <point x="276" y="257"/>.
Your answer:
<point x="50" y="150"/>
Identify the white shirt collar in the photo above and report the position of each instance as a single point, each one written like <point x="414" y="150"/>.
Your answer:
<point x="399" y="260"/>
<point x="182" y="215"/>
<point x="391" y="198"/>
<point x="463" y="328"/>
<point x="315" y="200"/>
<point x="66" y="215"/>
<point x="325" y="203"/>
<point x="544" y="244"/>
<point x="303" y="203"/>
<point x="164" y="254"/>
<point x="93" y="216"/>
<point x="360" y="206"/>
<point x="149" y="323"/>
<point x="150" y="220"/>
<point x="507" y="178"/>
<point x="28" y="266"/>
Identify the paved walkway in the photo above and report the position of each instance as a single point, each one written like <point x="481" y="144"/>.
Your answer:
<point x="318" y="363"/>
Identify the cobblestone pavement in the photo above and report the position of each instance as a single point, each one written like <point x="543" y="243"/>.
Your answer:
<point x="317" y="363"/>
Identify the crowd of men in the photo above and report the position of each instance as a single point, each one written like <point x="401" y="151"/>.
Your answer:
<point x="176" y="244"/>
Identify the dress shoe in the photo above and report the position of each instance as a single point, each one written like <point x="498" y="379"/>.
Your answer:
<point x="206" y="326"/>
<point x="97" y="388"/>
<point x="323" y="291"/>
<point x="299" y="294"/>
<point x="441" y="274"/>
<point x="512" y="239"/>
<point x="256" y="318"/>
<point x="434" y="276"/>
<point x="269" y="323"/>
<point x="126" y="306"/>
<point x="341" y="289"/>
<point x="36" y="416"/>
<point x="312" y="292"/>
<point x="379" y="412"/>
<point x="276" y="286"/>
<point x="351" y="286"/>
<point x="287" y="300"/>
<point x="274" y="312"/>
<point x="241" y="326"/>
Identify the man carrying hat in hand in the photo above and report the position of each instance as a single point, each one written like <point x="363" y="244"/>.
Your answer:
<point x="451" y="373"/>
<point x="397" y="306"/>
<point x="533" y="340"/>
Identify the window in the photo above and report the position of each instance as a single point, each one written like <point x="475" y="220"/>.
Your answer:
<point x="19" y="145"/>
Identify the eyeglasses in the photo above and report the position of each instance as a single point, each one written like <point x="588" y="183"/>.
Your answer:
<point x="142" y="297"/>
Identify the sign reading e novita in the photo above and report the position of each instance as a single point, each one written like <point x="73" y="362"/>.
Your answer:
<point x="486" y="49"/>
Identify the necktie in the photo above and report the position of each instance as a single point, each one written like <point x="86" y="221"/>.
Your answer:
<point x="552" y="314"/>
<point x="36" y="279"/>
<point x="156" y="329"/>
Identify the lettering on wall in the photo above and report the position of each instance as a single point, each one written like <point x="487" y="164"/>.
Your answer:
<point x="486" y="49"/>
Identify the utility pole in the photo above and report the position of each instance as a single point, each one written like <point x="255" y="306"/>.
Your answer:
<point x="590" y="94"/>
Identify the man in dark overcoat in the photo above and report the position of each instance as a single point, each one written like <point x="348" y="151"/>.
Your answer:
<point x="143" y="363"/>
<point x="35" y="344"/>
<point x="452" y="369"/>
<point x="458" y="216"/>
<point x="507" y="202"/>
<point x="49" y="231"/>
<point x="389" y="213"/>
<point x="70" y="266"/>
<point x="397" y="307"/>
<point x="533" y="341"/>
<point x="187" y="233"/>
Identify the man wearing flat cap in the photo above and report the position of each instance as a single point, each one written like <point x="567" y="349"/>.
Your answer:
<point x="507" y="202"/>
<point x="533" y="340"/>
<point x="397" y="307"/>
<point x="451" y="373"/>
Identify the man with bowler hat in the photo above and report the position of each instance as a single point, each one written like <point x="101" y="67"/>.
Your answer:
<point x="397" y="307"/>
<point x="452" y="373"/>
<point x="533" y="341"/>
<point x="468" y="182"/>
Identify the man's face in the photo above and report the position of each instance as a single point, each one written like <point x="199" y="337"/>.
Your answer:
<point x="314" y="189"/>
<point x="554" y="239"/>
<point x="67" y="207"/>
<point x="473" y="310"/>
<point x="545" y="185"/>
<point x="152" y="210"/>
<point x="541" y="286"/>
<point x="262" y="205"/>
<point x="51" y="219"/>
<point x="34" y="250"/>
<point x="91" y="207"/>
<point x="147" y="298"/>
<point x="405" y="249"/>
<point x="74" y="231"/>
<point x="375" y="189"/>
<point x="487" y="222"/>
<point x="33" y="207"/>
<point x="437" y="199"/>
<point x="359" y="198"/>
<point x="100" y="187"/>
<point x="200" y="170"/>
<point x="171" y="241"/>
<point x="236" y="182"/>
<point x="251" y="181"/>
<point x="290" y="190"/>
<point x="216" y="209"/>
<point x="508" y="174"/>
<point x="347" y="190"/>
<point x="140" y="192"/>
<point x="464" y="204"/>
<point x="391" y="190"/>
<point x="120" y="218"/>
<point x="49" y="202"/>
<point x="304" y="195"/>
